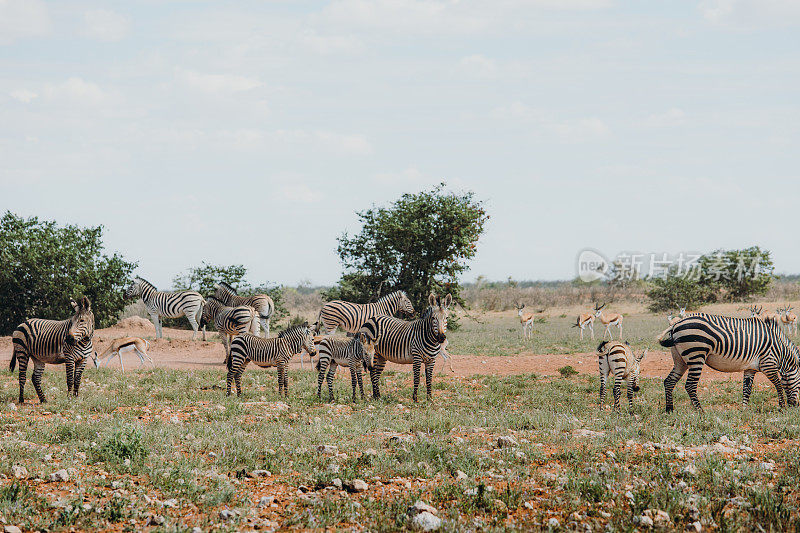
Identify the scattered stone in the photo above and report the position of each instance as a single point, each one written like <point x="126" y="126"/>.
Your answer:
<point x="19" y="472"/>
<point x="507" y="442"/>
<point x="80" y="456"/>
<point x="605" y="514"/>
<point x="528" y="505"/>
<point x="422" y="507"/>
<point x="696" y="526"/>
<point x="171" y="503"/>
<point x="644" y="521"/>
<point x="691" y="470"/>
<point x="11" y="529"/>
<point x="337" y="483"/>
<point x="500" y="505"/>
<point x="59" y="475"/>
<point x="426" y="521"/>
<point x="461" y="476"/>
<point x="196" y="529"/>
<point x="768" y="465"/>
<point x="12" y="407"/>
<point x="553" y="523"/>
<point x="266" y="501"/>
<point x="371" y="452"/>
<point x="155" y="520"/>
<point x="357" y="485"/>
<point x="629" y="495"/>
<point x="260" y="473"/>
<point x="659" y="518"/>
<point x="226" y="514"/>
<point x="328" y="449"/>
<point x="587" y="433"/>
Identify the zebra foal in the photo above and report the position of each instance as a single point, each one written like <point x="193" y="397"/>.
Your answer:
<point x="54" y="342"/>
<point x="167" y="304"/>
<point x="275" y="351"/>
<point x="729" y="344"/>
<point x="229" y="321"/>
<point x="617" y="358"/>
<point x="262" y="303"/>
<point x="414" y="343"/>
<point x="351" y="316"/>
<point x="353" y="353"/>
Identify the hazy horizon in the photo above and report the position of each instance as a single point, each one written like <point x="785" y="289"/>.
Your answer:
<point x="251" y="133"/>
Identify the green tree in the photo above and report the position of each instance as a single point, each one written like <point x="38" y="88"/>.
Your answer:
<point x="738" y="274"/>
<point x="43" y="265"/>
<point x="676" y="290"/>
<point x="420" y="243"/>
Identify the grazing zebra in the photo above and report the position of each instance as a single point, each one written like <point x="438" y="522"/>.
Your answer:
<point x="617" y="358"/>
<point x="54" y="342"/>
<point x="125" y="344"/>
<point x="352" y="352"/>
<point x="229" y="321"/>
<point x="350" y="317"/>
<point x="262" y="303"/>
<point x="275" y="351"/>
<point x="167" y="304"/>
<point x="729" y="344"/>
<point x="409" y="343"/>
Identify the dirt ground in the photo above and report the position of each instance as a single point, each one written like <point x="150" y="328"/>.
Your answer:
<point x="177" y="350"/>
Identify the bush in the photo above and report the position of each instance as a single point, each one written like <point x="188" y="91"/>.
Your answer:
<point x="675" y="291"/>
<point x="567" y="371"/>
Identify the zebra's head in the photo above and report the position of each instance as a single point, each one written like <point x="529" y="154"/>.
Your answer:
<point x="366" y="349"/>
<point x="81" y="324"/>
<point x="134" y="289"/>
<point x="438" y="315"/>
<point x="210" y="309"/>
<point x="404" y="304"/>
<point x="308" y="340"/>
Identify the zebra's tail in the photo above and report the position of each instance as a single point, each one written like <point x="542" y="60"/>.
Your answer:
<point x="229" y="362"/>
<point x="13" y="361"/>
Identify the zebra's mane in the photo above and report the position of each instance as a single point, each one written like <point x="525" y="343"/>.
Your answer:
<point x="215" y="299"/>
<point x="290" y="330"/>
<point x="228" y="286"/>
<point x="145" y="281"/>
<point x="391" y="295"/>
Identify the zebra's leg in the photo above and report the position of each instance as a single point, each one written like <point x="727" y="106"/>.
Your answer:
<point x="283" y="379"/>
<point x="429" y="379"/>
<point x="157" y="323"/>
<point x="22" y="362"/>
<point x="774" y="376"/>
<point x="322" y="366"/>
<point x="630" y="393"/>
<point x="747" y="386"/>
<point x="70" y="366"/>
<point x="617" y="389"/>
<point x="329" y="379"/>
<point x="603" y="378"/>
<point x="355" y="378"/>
<point x="678" y="370"/>
<point x="193" y="322"/>
<point x="237" y="374"/>
<point x="204" y="333"/>
<point x="360" y="381"/>
<point x="36" y="378"/>
<point x="693" y="378"/>
<point x="375" y="376"/>
<point x="416" y="367"/>
<point x="265" y="325"/>
<point x="79" y="372"/>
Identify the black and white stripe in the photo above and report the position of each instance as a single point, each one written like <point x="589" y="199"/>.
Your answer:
<point x="729" y="344"/>
<point x="351" y="316"/>
<point x="617" y="358"/>
<point x="54" y="342"/>
<point x="167" y="304"/>
<point x="409" y="343"/>
<point x="229" y="321"/>
<point x="262" y="303"/>
<point x="275" y="351"/>
<point x="353" y="353"/>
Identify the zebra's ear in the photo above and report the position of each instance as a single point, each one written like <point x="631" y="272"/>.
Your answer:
<point x="86" y="304"/>
<point x="74" y="305"/>
<point x="447" y="301"/>
<point x="432" y="299"/>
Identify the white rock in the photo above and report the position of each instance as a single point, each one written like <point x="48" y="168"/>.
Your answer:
<point x="660" y="518"/>
<point x="172" y="503"/>
<point x="460" y="476"/>
<point x="19" y="472"/>
<point x="696" y="526"/>
<point x="225" y="514"/>
<point x="260" y="473"/>
<point x="690" y="469"/>
<point x="357" y="485"/>
<point x="266" y="501"/>
<point x="554" y="523"/>
<point x="328" y="449"/>
<point x="12" y="407"/>
<point x="507" y="442"/>
<point x="196" y="529"/>
<point x="426" y="521"/>
<point x="11" y="529"/>
<point x="422" y="507"/>
<point x="587" y="433"/>
<point x="528" y="505"/>
<point x="645" y="521"/>
<point x="59" y="475"/>
<point x="336" y="482"/>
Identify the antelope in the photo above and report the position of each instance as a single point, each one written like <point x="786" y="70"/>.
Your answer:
<point x="125" y="344"/>
<point x="586" y="320"/>
<point x="672" y="319"/>
<point x="789" y="320"/>
<point x="526" y="319"/>
<point x="612" y="319"/>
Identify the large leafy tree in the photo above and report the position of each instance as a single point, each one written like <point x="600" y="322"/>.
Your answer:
<point x="43" y="265"/>
<point x="419" y="243"/>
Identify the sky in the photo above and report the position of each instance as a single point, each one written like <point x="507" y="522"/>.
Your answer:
<point x="251" y="132"/>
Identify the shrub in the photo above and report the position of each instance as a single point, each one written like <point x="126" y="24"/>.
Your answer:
<point x="567" y="371"/>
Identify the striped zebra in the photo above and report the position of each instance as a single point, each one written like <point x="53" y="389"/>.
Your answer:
<point x="54" y="342"/>
<point x="350" y="316"/>
<point x="262" y="303"/>
<point x="729" y="344"/>
<point x="275" y="351"/>
<point x="617" y="358"/>
<point x="167" y="304"/>
<point x="409" y="343"/>
<point x="229" y="321"/>
<point x="351" y="352"/>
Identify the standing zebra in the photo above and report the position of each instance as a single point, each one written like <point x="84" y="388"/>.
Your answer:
<point x="275" y="351"/>
<point x="353" y="353"/>
<point x="729" y="344"/>
<point x="54" y="342"/>
<point x="167" y="304"/>
<point x="262" y="303"/>
<point x="350" y="316"/>
<point x="229" y="321"/>
<point x="617" y="358"/>
<point x="409" y="343"/>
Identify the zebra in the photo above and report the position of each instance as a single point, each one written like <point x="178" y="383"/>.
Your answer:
<point x="262" y="303"/>
<point x="617" y="358"/>
<point x="275" y="351"/>
<point x="229" y="321"/>
<point x="729" y="344"/>
<point x="351" y="316"/>
<point x="54" y="342"/>
<point x="351" y="352"/>
<point x="409" y="343"/>
<point x="167" y="304"/>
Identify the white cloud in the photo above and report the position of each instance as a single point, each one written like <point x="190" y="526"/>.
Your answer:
<point x="479" y="65"/>
<point x="216" y="83"/>
<point x="409" y="176"/>
<point x="571" y="129"/>
<point x="77" y="90"/>
<point x="23" y="95"/>
<point x="349" y="144"/>
<point x="672" y="117"/>
<point x="584" y="129"/>
<point x="330" y="44"/>
<point x="301" y="193"/>
<point x="406" y="16"/>
<point x="517" y="111"/>
<point x="105" y="25"/>
<point x="748" y="14"/>
<point x="23" y="18"/>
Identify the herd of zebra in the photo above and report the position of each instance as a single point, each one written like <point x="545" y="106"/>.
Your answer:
<point x="376" y="336"/>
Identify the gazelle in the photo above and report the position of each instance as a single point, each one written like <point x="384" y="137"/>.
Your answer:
<point x="125" y="344"/>
<point x="586" y="320"/>
<point x="526" y="319"/>
<point x="672" y="319"/>
<point x="789" y="320"/>
<point x="612" y="319"/>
